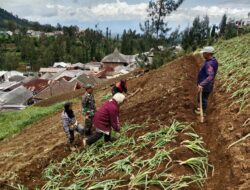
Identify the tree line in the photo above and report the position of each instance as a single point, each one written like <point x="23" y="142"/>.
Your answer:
<point x="93" y="44"/>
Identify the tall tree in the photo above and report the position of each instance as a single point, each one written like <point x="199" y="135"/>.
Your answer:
<point x="230" y="29"/>
<point x="223" y="24"/>
<point x="158" y="10"/>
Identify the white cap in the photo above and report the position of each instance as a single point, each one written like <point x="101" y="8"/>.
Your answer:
<point x="119" y="97"/>
<point x="208" y="49"/>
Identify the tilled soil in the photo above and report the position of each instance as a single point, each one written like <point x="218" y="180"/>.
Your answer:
<point x="168" y="93"/>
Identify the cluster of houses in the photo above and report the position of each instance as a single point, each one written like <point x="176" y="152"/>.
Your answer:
<point x="243" y="22"/>
<point x="38" y="34"/>
<point x="17" y="91"/>
<point x="32" y="33"/>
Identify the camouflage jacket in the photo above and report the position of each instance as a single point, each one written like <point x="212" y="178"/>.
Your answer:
<point x="88" y="104"/>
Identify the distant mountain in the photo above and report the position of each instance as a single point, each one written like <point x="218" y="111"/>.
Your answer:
<point x="8" y="21"/>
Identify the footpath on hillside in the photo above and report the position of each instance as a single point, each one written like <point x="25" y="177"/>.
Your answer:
<point x="168" y="93"/>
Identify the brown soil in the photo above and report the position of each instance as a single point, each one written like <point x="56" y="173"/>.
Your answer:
<point x="168" y="93"/>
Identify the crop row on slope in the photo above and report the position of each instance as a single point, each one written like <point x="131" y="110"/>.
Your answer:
<point x="234" y="71"/>
<point x="142" y="157"/>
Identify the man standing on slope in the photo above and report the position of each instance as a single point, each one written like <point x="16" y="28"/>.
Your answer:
<point x="88" y="108"/>
<point x="206" y="77"/>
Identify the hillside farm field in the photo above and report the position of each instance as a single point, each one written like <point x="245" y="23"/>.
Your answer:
<point x="162" y="144"/>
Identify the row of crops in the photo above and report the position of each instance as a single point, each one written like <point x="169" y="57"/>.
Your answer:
<point x="146" y="160"/>
<point x="234" y="69"/>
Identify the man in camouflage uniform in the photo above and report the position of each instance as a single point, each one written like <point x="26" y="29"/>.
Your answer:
<point x="88" y="108"/>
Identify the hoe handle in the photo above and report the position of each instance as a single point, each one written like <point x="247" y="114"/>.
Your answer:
<point x="201" y="109"/>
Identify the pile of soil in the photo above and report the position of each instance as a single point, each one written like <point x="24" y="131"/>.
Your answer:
<point x="168" y="93"/>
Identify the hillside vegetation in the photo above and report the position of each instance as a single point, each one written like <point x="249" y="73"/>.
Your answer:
<point x="8" y="21"/>
<point x="234" y="60"/>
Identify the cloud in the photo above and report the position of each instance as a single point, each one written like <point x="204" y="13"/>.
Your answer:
<point x="86" y="11"/>
<point x="101" y="12"/>
<point x="215" y="13"/>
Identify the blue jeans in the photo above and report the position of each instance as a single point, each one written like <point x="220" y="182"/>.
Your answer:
<point x="205" y="96"/>
<point x="70" y="132"/>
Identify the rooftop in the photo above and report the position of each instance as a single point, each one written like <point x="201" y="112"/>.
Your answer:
<point x="51" y="70"/>
<point x="115" y="57"/>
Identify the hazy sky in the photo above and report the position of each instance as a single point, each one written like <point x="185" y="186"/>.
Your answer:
<point x="119" y="14"/>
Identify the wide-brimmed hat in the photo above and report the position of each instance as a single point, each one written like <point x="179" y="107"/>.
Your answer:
<point x="208" y="49"/>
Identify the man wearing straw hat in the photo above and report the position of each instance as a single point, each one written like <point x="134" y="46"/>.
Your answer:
<point x="206" y="77"/>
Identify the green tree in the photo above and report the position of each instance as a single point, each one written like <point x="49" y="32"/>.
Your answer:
<point x="157" y="12"/>
<point x="174" y="38"/>
<point x="230" y="30"/>
<point x="223" y="24"/>
<point x="11" y="61"/>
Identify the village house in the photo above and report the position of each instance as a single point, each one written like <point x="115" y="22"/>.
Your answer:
<point x="68" y="74"/>
<point x="89" y="79"/>
<point x="15" y="99"/>
<point x="61" y="65"/>
<point x="6" y="75"/>
<point x="78" y="66"/>
<point x="36" y="85"/>
<point x="243" y="22"/>
<point x="56" y="88"/>
<point x="51" y="70"/>
<point x="114" y="59"/>
<point x="94" y="66"/>
<point x="33" y="33"/>
<point x="9" y="86"/>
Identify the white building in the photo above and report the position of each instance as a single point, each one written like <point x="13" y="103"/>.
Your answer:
<point x="33" y="33"/>
<point x="94" y="66"/>
<point x="5" y="75"/>
<point x="61" y="65"/>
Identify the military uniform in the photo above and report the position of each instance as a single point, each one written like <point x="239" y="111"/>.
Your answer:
<point x="88" y="110"/>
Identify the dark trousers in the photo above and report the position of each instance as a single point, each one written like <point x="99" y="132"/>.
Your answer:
<point x="70" y="133"/>
<point x="205" y="96"/>
<point x="95" y="137"/>
<point x="88" y="125"/>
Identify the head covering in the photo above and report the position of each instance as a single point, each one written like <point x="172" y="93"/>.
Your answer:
<point x="88" y="86"/>
<point x="119" y="98"/>
<point x="208" y="49"/>
<point x="69" y="111"/>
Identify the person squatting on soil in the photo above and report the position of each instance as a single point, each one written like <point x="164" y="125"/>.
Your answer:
<point x="106" y="119"/>
<point x="206" y="77"/>
<point x="120" y="87"/>
<point x="70" y="125"/>
<point x="88" y="109"/>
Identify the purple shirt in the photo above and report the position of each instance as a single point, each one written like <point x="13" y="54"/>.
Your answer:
<point x="207" y="74"/>
<point x="107" y="117"/>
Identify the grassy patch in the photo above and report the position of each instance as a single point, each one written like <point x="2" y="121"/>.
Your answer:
<point x="13" y="122"/>
<point x="106" y="97"/>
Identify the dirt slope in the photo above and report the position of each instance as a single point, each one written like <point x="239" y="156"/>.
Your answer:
<point x="168" y="93"/>
<point x="24" y="156"/>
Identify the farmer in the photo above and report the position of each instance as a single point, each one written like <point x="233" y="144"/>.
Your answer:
<point x="206" y="77"/>
<point x="120" y="87"/>
<point x="88" y="108"/>
<point x="70" y="125"/>
<point x="106" y="119"/>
